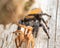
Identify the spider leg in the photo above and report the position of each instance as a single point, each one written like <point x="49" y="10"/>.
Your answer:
<point x="46" y="14"/>
<point x="45" y="30"/>
<point x="35" y="31"/>
<point x="17" y="42"/>
<point x="45" y="22"/>
<point x="35" y="28"/>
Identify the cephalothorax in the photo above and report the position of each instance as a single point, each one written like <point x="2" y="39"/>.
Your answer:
<point x="35" y="16"/>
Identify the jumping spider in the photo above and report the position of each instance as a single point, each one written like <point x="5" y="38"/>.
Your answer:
<point x="35" y="20"/>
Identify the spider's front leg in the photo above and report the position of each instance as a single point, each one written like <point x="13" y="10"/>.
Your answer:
<point x="45" y="30"/>
<point x="46" y="14"/>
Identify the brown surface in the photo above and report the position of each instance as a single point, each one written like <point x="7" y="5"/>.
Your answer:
<point x="12" y="11"/>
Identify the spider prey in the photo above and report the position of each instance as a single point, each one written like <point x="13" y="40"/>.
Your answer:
<point x="34" y="19"/>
